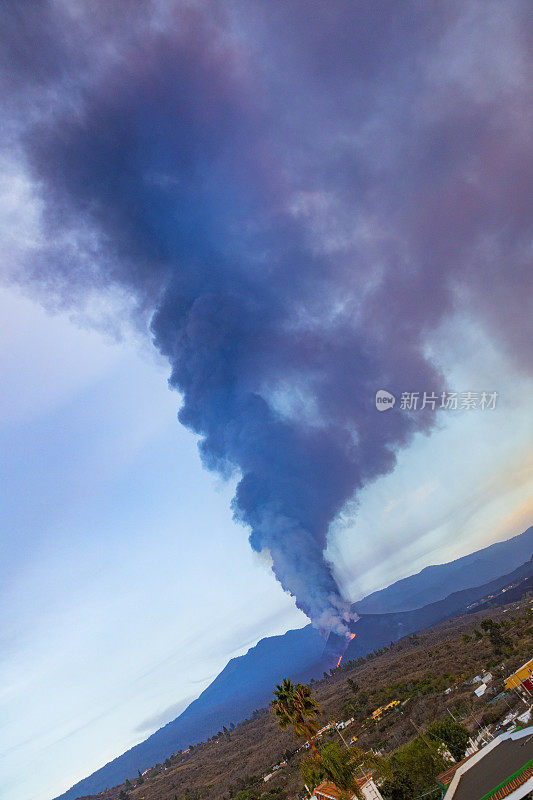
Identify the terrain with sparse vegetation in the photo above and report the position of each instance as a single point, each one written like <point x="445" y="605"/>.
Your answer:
<point x="429" y="673"/>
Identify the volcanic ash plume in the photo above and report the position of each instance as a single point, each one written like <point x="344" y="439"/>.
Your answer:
<point x="290" y="228"/>
<point x="337" y="644"/>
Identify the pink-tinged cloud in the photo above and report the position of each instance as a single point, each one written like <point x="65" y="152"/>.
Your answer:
<point x="295" y="195"/>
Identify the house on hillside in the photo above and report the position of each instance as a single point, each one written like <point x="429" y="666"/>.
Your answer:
<point x="522" y="678"/>
<point x="328" y="791"/>
<point x="502" y="769"/>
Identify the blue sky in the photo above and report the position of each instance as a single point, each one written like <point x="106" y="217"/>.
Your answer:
<point x="279" y="209"/>
<point x="126" y="584"/>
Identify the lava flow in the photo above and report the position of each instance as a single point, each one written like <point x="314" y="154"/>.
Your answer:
<point x="352" y="636"/>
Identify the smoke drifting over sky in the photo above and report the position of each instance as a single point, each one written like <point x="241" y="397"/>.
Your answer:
<point x="293" y="196"/>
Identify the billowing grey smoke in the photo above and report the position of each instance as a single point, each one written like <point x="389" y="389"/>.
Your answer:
<point x="295" y="195"/>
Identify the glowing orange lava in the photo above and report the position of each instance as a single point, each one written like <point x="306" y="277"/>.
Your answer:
<point x="352" y="636"/>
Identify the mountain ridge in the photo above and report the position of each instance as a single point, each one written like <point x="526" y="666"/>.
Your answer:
<point x="246" y="681"/>
<point x="416" y="590"/>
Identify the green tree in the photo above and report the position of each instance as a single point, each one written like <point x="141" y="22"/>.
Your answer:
<point x="293" y="705"/>
<point x="452" y="734"/>
<point x="354" y="687"/>
<point x="414" y="769"/>
<point x="501" y="645"/>
<point x="311" y="773"/>
<point x="342" y="766"/>
<point x="337" y="766"/>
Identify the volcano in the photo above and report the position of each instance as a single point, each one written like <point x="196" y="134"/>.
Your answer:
<point x="336" y="646"/>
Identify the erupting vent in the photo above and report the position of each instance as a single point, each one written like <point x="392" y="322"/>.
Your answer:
<point x="350" y="637"/>
<point x="336" y="647"/>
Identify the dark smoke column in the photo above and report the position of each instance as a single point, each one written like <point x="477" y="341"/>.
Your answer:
<point x="292" y="235"/>
<point x="295" y="478"/>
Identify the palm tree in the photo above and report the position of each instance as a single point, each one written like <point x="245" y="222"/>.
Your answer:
<point x="293" y="705"/>
<point x="343" y="767"/>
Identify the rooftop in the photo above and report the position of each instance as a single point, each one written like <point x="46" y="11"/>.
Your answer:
<point x="522" y="673"/>
<point x="328" y="790"/>
<point x="445" y="778"/>
<point x="494" y="772"/>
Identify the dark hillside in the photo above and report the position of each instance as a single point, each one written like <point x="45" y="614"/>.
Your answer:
<point x="246" y="682"/>
<point x="378" y="630"/>
<point x="437" y="582"/>
<point x="417" y="669"/>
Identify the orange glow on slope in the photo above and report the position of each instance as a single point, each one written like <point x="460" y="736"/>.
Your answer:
<point x="352" y="636"/>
